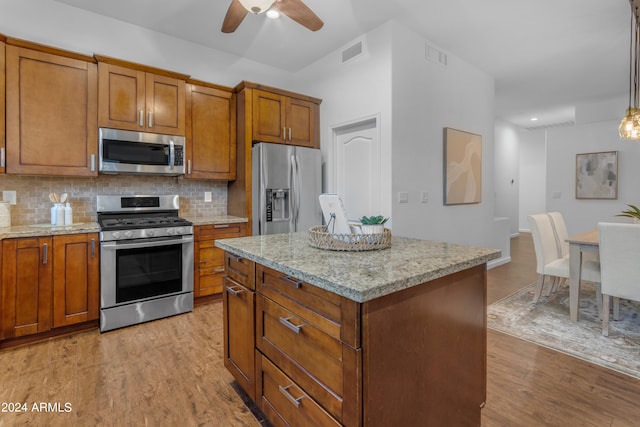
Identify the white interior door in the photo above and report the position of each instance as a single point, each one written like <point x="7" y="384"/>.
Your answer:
<point x="358" y="168"/>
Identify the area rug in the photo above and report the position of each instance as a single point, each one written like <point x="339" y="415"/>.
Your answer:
<point x="547" y="323"/>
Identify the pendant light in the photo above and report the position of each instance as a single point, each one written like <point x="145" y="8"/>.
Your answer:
<point x="630" y="125"/>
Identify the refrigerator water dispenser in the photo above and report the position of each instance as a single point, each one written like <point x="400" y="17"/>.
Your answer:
<point x="277" y="204"/>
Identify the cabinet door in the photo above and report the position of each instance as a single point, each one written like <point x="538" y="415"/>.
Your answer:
<point x="165" y="105"/>
<point x="211" y="133"/>
<point x="121" y="97"/>
<point x="239" y="334"/>
<point x="26" y="287"/>
<point x="268" y="116"/>
<point x="51" y="114"/>
<point x="76" y="273"/>
<point x="2" y="114"/>
<point x="300" y="122"/>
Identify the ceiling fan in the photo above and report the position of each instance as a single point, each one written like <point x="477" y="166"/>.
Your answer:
<point x="294" y="9"/>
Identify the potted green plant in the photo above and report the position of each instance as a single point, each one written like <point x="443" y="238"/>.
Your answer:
<point x="373" y="224"/>
<point x="632" y="212"/>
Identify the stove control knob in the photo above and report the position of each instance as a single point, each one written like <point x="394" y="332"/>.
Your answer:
<point x="115" y="234"/>
<point x="128" y="234"/>
<point x="151" y="233"/>
<point x="171" y="231"/>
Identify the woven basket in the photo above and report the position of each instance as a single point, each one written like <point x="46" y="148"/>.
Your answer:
<point x="320" y="238"/>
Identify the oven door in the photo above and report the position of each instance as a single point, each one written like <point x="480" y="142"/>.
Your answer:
<point x="138" y="270"/>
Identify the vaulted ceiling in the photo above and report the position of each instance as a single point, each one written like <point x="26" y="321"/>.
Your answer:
<point x="545" y="55"/>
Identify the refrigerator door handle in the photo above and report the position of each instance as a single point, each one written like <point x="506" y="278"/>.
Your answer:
<point x="295" y="189"/>
<point x="262" y="197"/>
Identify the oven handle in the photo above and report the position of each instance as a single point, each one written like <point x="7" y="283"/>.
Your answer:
<point x="146" y="244"/>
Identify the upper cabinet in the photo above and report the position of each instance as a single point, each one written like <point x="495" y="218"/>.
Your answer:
<point x="285" y="118"/>
<point x="3" y="158"/>
<point x="140" y="98"/>
<point x="51" y="111"/>
<point x="211" y="132"/>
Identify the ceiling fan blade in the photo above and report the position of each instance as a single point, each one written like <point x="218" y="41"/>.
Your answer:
<point x="235" y="15"/>
<point x="300" y="13"/>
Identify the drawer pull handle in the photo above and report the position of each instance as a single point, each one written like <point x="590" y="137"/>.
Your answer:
<point x="219" y="270"/>
<point x="234" y="258"/>
<point x="234" y="292"/>
<point x="292" y="280"/>
<point x="221" y="226"/>
<point x="285" y="391"/>
<point x="287" y="322"/>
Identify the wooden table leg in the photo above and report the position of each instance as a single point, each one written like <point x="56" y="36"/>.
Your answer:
<point x="575" y="273"/>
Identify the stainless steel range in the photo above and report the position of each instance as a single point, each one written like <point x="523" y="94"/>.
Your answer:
<point x="146" y="259"/>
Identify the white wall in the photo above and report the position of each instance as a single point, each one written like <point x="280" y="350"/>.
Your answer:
<point x="507" y="174"/>
<point x="533" y="175"/>
<point x="58" y="25"/>
<point x="427" y="97"/>
<point x="351" y="91"/>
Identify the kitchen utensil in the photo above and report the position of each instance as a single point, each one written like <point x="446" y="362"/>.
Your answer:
<point x="63" y="197"/>
<point x="52" y="197"/>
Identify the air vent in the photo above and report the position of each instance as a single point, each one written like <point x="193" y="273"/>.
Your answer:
<point x="351" y="52"/>
<point x="552" y="125"/>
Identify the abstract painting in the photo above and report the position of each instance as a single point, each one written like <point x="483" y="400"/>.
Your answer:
<point x="462" y="167"/>
<point x="597" y="175"/>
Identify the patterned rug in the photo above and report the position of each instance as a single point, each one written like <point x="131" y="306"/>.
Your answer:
<point x="547" y="323"/>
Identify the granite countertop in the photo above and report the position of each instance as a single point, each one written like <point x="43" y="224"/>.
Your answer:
<point x="359" y="276"/>
<point x="36" y="230"/>
<point x="214" y="219"/>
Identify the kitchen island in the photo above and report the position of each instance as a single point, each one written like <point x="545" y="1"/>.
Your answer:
<point x="378" y="338"/>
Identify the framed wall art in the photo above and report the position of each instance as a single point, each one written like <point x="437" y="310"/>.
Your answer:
<point x="597" y="175"/>
<point x="462" y="167"/>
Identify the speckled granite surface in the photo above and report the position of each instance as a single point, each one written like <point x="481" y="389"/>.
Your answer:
<point x="359" y="276"/>
<point x="36" y="230"/>
<point x="47" y="230"/>
<point x="215" y="219"/>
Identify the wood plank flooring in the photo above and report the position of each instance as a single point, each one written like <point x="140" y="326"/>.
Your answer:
<point x="170" y="372"/>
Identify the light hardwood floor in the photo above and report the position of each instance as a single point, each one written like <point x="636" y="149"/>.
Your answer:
<point x="170" y="372"/>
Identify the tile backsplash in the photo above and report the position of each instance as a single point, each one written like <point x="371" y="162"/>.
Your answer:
<point x="33" y="205"/>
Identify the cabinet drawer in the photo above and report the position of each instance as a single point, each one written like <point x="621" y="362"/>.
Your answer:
<point x="221" y="231"/>
<point x="306" y="353"/>
<point x="284" y="403"/>
<point x="240" y="269"/>
<point x="333" y="314"/>
<point x="210" y="257"/>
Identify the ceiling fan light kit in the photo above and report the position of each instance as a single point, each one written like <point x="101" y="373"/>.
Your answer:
<point x="294" y="9"/>
<point x="630" y="125"/>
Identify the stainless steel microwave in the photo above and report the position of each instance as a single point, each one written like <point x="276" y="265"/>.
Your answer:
<point x="122" y="151"/>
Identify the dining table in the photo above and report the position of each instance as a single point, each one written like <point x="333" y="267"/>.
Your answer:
<point x="579" y="244"/>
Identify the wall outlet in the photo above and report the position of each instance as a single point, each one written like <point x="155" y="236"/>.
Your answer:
<point x="9" y="196"/>
<point x="403" y="197"/>
<point x="207" y="196"/>
<point x="424" y="197"/>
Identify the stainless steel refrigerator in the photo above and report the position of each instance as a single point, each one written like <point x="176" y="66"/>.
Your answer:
<point x="286" y="183"/>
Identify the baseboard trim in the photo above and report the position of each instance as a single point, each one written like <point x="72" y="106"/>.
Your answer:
<point x="498" y="262"/>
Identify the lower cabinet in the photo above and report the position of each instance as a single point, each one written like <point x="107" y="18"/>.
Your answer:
<point x="209" y="260"/>
<point x="48" y="282"/>
<point x="76" y="279"/>
<point x="415" y="357"/>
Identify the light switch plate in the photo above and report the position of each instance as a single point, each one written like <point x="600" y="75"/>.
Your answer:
<point x="424" y="197"/>
<point x="403" y="197"/>
<point x="9" y="196"/>
<point x="207" y="196"/>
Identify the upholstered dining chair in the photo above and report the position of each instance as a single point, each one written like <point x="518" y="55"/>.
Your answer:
<point x="549" y="260"/>
<point x="619" y="266"/>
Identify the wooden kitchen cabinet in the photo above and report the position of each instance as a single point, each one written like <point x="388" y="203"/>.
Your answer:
<point x="51" y="111"/>
<point x="238" y="306"/>
<point x="27" y="269"/>
<point x="284" y="119"/>
<point x="140" y="98"/>
<point x="76" y="279"/>
<point x="3" y="158"/>
<point x="210" y="132"/>
<point x="265" y="114"/>
<point x="48" y="282"/>
<point x="209" y="260"/>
